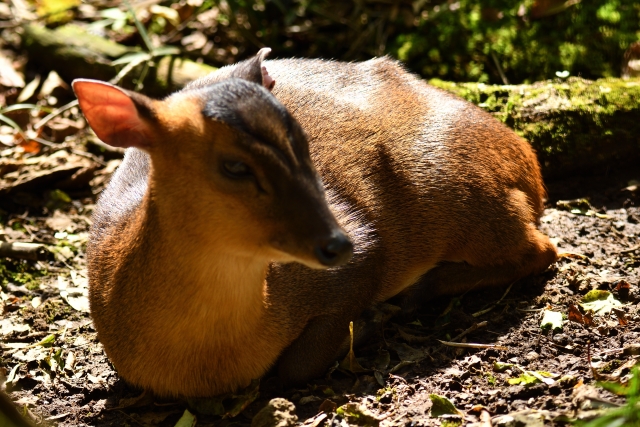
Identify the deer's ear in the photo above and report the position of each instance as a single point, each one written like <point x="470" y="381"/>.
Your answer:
<point x="120" y="118"/>
<point x="253" y="70"/>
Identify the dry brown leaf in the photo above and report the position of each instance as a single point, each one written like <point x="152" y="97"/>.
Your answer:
<point x="576" y="316"/>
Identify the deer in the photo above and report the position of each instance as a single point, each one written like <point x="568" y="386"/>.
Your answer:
<point x="262" y="208"/>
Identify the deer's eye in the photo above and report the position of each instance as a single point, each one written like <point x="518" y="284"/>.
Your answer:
<point x="235" y="169"/>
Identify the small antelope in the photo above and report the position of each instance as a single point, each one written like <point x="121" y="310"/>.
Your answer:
<point x="246" y="229"/>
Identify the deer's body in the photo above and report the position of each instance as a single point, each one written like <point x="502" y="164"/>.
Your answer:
<point x="431" y="190"/>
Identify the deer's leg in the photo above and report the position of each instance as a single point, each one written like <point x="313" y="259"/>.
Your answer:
<point x="312" y="353"/>
<point x="453" y="278"/>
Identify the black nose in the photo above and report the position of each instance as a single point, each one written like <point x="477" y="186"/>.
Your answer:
<point x="336" y="250"/>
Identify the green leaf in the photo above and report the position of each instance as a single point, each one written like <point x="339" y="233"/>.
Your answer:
<point x="11" y="123"/>
<point x="525" y="379"/>
<point x="615" y="388"/>
<point x="136" y="57"/>
<point x="58" y="358"/>
<point x="165" y="51"/>
<point x="551" y="319"/>
<point x="186" y="420"/>
<point x="501" y="366"/>
<point x="533" y="377"/>
<point x="15" y="107"/>
<point x="442" y="406"/>
<point x="359" y="415"/>
<point x="49" y="339"/>
<point x="600" y="302"/>
<point x="114" y="13"/>
<point x="595" y="295"/>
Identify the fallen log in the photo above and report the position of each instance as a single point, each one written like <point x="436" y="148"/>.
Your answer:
<point x="74" y="53"/>
<point x="575" y="124"/>
<point x="23" y="250"/>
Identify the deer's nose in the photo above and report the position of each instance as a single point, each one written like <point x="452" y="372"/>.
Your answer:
<point x="336" y="250"/>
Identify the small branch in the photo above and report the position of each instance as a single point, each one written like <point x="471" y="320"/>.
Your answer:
<point x="55" y="113"/>
<point x="471" y="329"/>
<point x="632" y="249"/>
<point x="19" y="250"/>
<point x="481" y="312"/>
<point x="472" y="345"/>
<point x="499" y="67"/>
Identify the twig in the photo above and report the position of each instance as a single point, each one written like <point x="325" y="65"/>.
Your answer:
<point x="55" y="113"/>
<point x="471" y="329"/>
<point x="572" y="255"/>
<point x="89" y="156"/>
<point x="632" y="249"/>
<point x="472" y="345"/>
<point x="499" y="67"/>
<point x="561" y="347"/>
<point x="20" y="250"/>
<point x="481" y="312"/>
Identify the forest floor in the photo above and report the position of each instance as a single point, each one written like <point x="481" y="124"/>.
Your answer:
<point x="54" y="367"/>
<point x="511" y="371"/>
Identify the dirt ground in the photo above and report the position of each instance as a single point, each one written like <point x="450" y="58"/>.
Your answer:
<point x="53" y="366"/>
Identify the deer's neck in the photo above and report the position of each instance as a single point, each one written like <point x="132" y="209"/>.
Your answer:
<point x="192" y="278"/>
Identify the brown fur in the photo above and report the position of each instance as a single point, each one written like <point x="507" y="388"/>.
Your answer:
<point x="189" y="290"/>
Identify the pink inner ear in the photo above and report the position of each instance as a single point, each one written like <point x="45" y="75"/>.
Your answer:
<point x="112" y="114"/>
<point x="267" y="80"/>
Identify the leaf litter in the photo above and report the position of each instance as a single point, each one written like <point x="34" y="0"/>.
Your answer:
<point x="49" y="345"/>
<point x="51" y="170"/>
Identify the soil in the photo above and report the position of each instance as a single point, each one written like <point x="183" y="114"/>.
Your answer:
<point x="54" y="366"/>
<point x="506" y="370"/>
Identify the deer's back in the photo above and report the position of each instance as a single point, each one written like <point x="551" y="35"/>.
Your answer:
<point x="431" y="174"/>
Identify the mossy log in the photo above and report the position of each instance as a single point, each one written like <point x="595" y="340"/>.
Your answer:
<point x="575" y="125"/>
<point x="75" y="53"/>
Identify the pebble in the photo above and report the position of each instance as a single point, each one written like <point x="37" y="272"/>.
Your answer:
<point x="531" y="356"/>
<point x="278" y="413"/>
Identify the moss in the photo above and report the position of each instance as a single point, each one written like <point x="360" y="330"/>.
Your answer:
<point x="20" y="272"/>
<point x="573" y="124"/>
<point x="54" y="310"/>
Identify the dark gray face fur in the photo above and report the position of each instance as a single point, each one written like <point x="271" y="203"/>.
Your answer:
<point x="251" y="109"/>
<point x="276" y="162"/>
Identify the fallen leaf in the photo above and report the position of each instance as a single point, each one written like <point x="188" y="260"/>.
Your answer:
<point x="600" y="302"/>
<point x="8" y="76"/>
<point x="501" y="367"/>
<point x="621" y="315"/>
<point x="187" y="419"/>
<point x="623" y="284"/>
<point x="8" y="327"/>
<point x="407" y="353"/>
<point x="29" y="90"/>
<point x="551" y="319"/>
<point x="524" y="379"/>
<point x="576" y="316"/>
<point x="358" y="414"/>
<point x="442" y="406"/>
<point x="309" y="399"/>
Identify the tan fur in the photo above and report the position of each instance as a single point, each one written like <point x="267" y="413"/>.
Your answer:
<point x="189" y="292"/>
